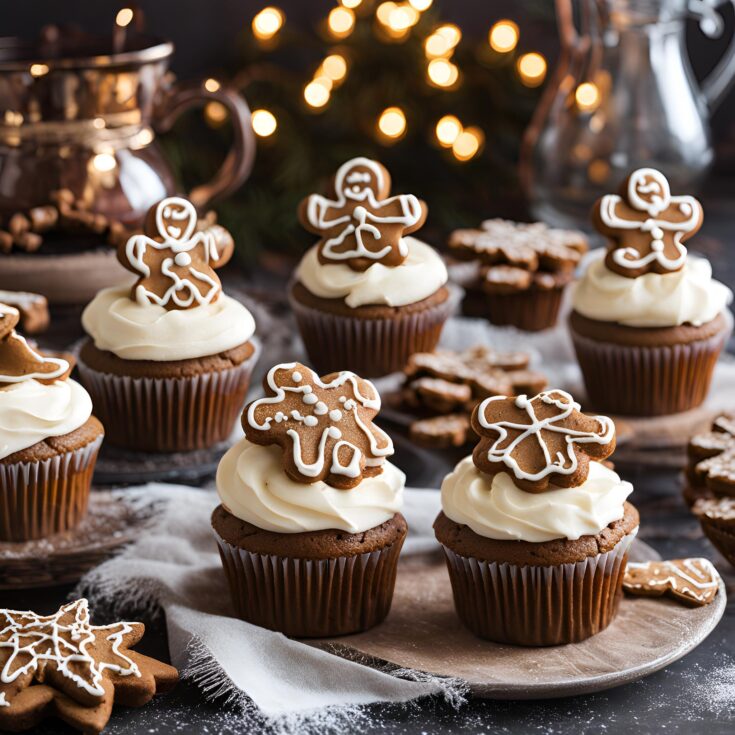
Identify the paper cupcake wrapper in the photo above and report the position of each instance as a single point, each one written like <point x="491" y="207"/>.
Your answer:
<point x="311" y="598"/>
<point x="168" y="414"/>
<point x="537" y="605"/>
<point x="647" y="380"/>
<point x="532" y="310"/>
<point x="370" y="347"/>
<point x="39" y="499"/>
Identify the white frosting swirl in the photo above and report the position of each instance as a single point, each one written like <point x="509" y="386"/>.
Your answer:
<point x="136" y="331"/>
<point x="689" y="295"/>
<point x="420" y="275"/>
<point x="31" y="412"/>
<point x="253" y="486"/>
<point x="497" y="508"/>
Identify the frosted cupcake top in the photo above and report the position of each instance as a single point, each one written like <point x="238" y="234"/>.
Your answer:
<point x="647" y="278"/>
<point x="37" y="399"/>
<point x="536" y="474"/>
<point x="176" y="309"/>
<point x="312" y="458"/>
<point x="364" y="254"/>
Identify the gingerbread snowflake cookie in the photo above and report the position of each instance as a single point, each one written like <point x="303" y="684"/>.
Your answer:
<point x="516" y="256"/>
<point x="324" y="426"/>
<point x="646" y="225"/>
<point x="61" y="665"/>
<point x="692" y="582"/>
<point x="541" y="441"/>
<point x="362" y="223"/>
<point x="174" y="261"/>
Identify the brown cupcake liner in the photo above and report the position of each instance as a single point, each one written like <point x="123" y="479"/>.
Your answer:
<point x="633" y="380"/>
<point x="168" y="414"/>
<point x="532" y="310"/>
<point x="311" y="598"/>
<point x="39" y="499"/>
<point x="537" y="605"/>
<point x="370" y="347"/>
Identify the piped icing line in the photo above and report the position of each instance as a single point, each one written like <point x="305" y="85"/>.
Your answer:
<point x="695" y="580"/>
<point x="564" y="464"/>
<point x="45" y="639"/>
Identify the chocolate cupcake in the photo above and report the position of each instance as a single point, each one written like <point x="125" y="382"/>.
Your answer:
<point x="309" y="529"/>
<point x="366" y="296"/>
<point x="48" y="440"/>
<point x="168" y="363"/>
<point x="535" y="528"/>
<point x="649" y="321"/>
<point x="521" y="271"/>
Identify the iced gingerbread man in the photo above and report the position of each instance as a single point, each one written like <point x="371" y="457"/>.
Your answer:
<point x="362" y="225"/>
<point x="175" y="262"/>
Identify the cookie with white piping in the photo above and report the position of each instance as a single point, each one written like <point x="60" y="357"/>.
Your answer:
<point x="691" y="582"/>
<point x="310" y="506"/>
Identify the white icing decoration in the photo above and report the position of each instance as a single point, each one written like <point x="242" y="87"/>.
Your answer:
<point x="3" y="701"/>
<point x="357" y="187"/>
<point x="297" y="376"/>
<point x="660" y="201"/>
<point x="561" y="464"/>
<point x="37" y="639"/>
<point x="375" y="435"/>
<point x="181" y="241"/>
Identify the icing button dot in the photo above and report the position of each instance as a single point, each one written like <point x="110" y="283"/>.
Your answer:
<point x="309" y="399"/>
<point x="335" y="414"/>
<point x="297" y="377"/>
<point x="321" y="408"/>
<point x="182" y="259"/>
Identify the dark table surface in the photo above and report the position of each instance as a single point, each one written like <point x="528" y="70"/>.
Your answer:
<point x="696" y="694"/>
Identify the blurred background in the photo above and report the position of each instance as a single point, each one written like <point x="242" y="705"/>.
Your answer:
<point x="441" y="92"/>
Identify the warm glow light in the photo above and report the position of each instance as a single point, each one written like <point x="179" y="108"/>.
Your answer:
<point x="442" y="72"/>
<point x="351" y="3"/>
<point x="324" y="81"/>
<point x="264" y="122"/>
<point x="212" y="85"/>
<point x="447" y="130"/>
<point x="436" y="45"/>
<point x="503" y="36"/>
<point x="38" y="70"/>
<point x="532" y="69"/>
<point x="334" y="67"/>
<point x="145" y="137"/>
<point x="467" y="144"/>
<point x="587" y="96"/>
<point x="420" y="5"/>
<point x="215" y="113"/>
<point x="267" y="23"/>
<point x="383" y="12"/>
<point x="104" y="162"/>
<point x="450" y="33"/>
<point x="341" y="21"/>
<point x="392" y="122"/>
<point x="124" y="17"/>
<point x="316" y="94"/>
<point x="598" y="171"/>
<point x="402" y="17"/>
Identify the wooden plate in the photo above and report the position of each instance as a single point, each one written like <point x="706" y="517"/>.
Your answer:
<point x="423" y="632"/>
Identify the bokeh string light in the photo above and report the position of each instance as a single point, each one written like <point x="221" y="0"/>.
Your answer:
<point x="447" y="130"/>
<point x="392" y="124"/>
<point x="267" y="23"/>
<point x="503" y="36"/>
<point x="587" y="96"/>
<point x="532" y="69"/>
<point x="341" y="22"/>
<point x="264" y="123"/>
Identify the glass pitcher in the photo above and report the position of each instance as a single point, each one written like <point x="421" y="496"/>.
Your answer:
<point x="623" y="96"/>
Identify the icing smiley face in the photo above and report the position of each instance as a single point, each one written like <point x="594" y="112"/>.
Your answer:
<point x="362" y="225"/>
<point x="323" y="425"/>
<point x="541" y="441"/>
<point x="646" y="225"/>
<point x="174" y="262"/>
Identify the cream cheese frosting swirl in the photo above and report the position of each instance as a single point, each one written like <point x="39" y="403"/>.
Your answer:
<point x="31" y="412"/>
<point x="495" y="507"/>
<point x="135" y="331"/>
<point x="253" y="487"/>
<point x="687" y="296"/>
<point x="420" y="275"/>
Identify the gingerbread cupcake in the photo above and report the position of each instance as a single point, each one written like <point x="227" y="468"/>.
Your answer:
<point x="649" y="321"/>
<point x="521" y="271"/>
<point x="367" y="296"/>
<point x="309" y="529"/>
<point x="168" y="362"/>
<point x="535" y="528"/>
<point x="48" y="440"/>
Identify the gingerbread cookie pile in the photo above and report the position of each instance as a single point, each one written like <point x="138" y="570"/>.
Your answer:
<point x="444" y="387"/>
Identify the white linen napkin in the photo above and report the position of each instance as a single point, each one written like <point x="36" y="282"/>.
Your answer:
<point x="175" y="565"/>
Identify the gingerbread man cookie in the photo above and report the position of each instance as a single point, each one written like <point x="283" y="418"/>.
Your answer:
<point x="18" y="362"/>
<point x="689" y="581"/>
<point x="646" y="225"/>
<point x="323" y="425"/>
<point x="362" y="224"/>
<point x="174" y="262"/>
<point x="711" y="468"/>
<point x="63" y="665"/>
<point x="542" y="441"/>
